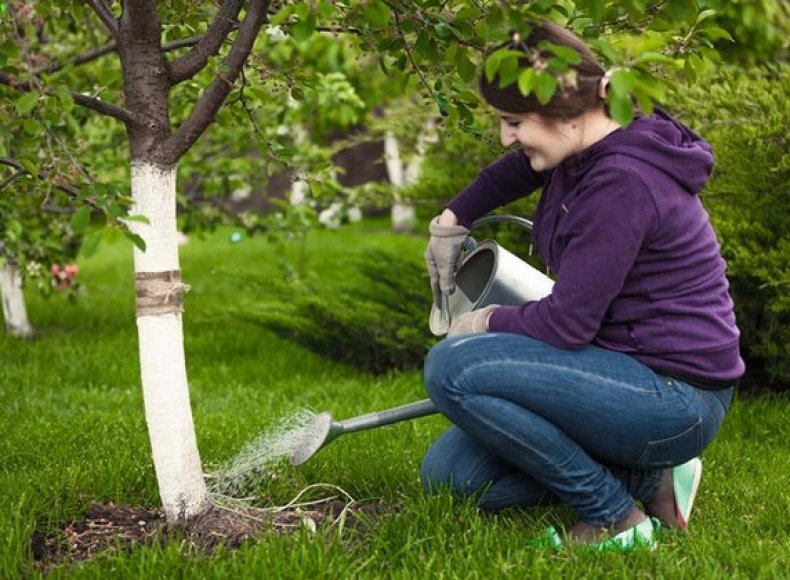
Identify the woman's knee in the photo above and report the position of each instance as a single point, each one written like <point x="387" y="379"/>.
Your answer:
<point x="446" y="362"/>
<point x="457" y="463"/>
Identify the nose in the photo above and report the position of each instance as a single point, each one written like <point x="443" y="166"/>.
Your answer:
<point x="507" y="134"/>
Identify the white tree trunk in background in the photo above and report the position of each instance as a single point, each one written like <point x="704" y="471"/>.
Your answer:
<point x="402" y="213"/>
<point x="162" y="363"/>
<point x="13" y="299"/>
<point x="299" y="187"/>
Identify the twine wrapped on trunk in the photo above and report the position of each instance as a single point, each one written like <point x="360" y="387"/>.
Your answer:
<point x="159" y="292"/>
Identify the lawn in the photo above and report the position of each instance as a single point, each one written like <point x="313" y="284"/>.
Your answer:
<point x="74" y="433"/>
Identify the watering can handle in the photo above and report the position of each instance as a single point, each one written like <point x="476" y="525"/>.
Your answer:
<point x="389" y="416"/>
<point x="497" y="219"/>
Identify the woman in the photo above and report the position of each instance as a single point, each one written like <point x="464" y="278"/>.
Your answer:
<point x="603" y="394"/>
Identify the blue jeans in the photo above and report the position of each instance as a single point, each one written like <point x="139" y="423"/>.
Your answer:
<point x="534" y="423"/>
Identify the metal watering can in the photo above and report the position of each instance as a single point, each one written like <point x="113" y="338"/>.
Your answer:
<point x="487" y="274"/>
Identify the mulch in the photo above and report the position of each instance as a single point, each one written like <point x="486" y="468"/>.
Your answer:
<point x="109" y="528"/>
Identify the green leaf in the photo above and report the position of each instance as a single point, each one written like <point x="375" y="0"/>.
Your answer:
<point x="623" y="81"/>
<point x="495" y="59"/>
<point x="508" y="72"/>
<point x="467" y="13"/>
<point x="705" y="14"/>
<point x="26" y="103"/>
<point x="558" y="65"/>
<point x="644" y="101"/>
<point x="544" y="87"/>
<point x="526" y="81"/>
<point x="90" y="244"/>
<point x="441" y="102"/>
<point x="443" y="30"/>
<point x="138" y="218"/>
<point x="716" y="33"/>
<point x="377" y="13"/>
<point x="465" y="67"/>
<point x="566" y="53"/>
<point x="29" y="166"/>
<point x="30" y="127"/>
<point x="621" y="109"/>
<point x="65" y="98"/>
<point x="282" y="15"/>
<point x="304" y="29"/>
<point x="81" y="219"/>
<point x="136" y="240"/>
<point x="426" y="46"/>
<point x="656" y="57"/>
<point x="492" y="65"/>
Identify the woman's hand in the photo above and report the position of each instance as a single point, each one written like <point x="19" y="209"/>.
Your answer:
<point x="474" y="322"/>
<point x="444" y="249"/>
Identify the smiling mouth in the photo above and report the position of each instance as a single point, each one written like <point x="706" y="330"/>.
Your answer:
<point x="528" y="151"/>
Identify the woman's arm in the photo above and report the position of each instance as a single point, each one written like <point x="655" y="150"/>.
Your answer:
<point x="505" y="180"/>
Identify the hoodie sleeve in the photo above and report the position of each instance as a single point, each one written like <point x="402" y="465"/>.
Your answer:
<point x="507" y="179"/>
<point x="605" y="229"/>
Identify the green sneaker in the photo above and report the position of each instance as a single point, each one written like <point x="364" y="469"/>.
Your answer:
<point x="685" y="481"/>
<point x="642" y="535"/>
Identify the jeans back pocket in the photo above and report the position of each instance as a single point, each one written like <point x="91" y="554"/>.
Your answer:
<point x="674" y="450"/>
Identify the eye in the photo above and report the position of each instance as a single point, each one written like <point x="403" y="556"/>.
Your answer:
<point x="513" y="124"/>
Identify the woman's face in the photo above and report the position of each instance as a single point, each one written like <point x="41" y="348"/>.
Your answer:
<point x="546" y="143"/>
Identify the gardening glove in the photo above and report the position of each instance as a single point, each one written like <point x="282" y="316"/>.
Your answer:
<point x="441" y="256"/>
<point x="474" y="322"/>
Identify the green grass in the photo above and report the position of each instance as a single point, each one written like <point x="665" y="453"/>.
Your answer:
<point x="73" y="432"/>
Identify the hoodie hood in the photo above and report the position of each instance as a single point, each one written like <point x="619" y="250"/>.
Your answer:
<point x="660" y="141"/>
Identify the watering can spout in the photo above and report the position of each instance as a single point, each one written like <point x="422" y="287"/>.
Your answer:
<point x="323" y="429"/>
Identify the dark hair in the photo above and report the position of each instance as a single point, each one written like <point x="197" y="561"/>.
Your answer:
<point x="567" y="101"/>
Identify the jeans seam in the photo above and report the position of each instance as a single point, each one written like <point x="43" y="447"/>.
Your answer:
<point x="469" y="369"/>
<point x="493" y="426"/>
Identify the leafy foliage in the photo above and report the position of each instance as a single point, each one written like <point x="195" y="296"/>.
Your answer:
<point x="378" y="325"/>
<point x="745" y="116"/>
<point x="322" y="65"/>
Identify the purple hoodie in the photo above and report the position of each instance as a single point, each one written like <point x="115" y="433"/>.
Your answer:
<point x="638" y="268"/>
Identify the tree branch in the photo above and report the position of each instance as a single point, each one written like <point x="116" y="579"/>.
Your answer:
<point x="188" y="65"/>
<point x="105" y="108"/>
<point x="69" y="190"/>
<point x="103" y="50"/>
<point x="214" y="96"/>
<point x="97" y="105"/>
<point x="104" y="13"/>
<point x="406" y="48"/>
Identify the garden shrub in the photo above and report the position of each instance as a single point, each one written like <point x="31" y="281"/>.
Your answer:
<point x="378" y="324"/>
<point x="745" y="116"/>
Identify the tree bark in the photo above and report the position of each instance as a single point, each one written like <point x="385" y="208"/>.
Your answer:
<point x="13" y="299"/>
<point x="161" y="343"/>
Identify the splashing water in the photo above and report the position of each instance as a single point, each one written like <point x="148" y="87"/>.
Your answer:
<point x="260" y="458"/>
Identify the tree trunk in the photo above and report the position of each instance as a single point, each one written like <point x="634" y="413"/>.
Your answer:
<point x="402" y="213"/>
<point x="14" y="310"/>
<point x="160" y="333"/>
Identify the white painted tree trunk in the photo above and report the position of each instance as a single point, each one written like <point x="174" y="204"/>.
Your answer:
<point x="402" y="213"/>
<point x="163" y="367"/>
<point x="299" y="187"/>
<point x="13" y="299"/>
